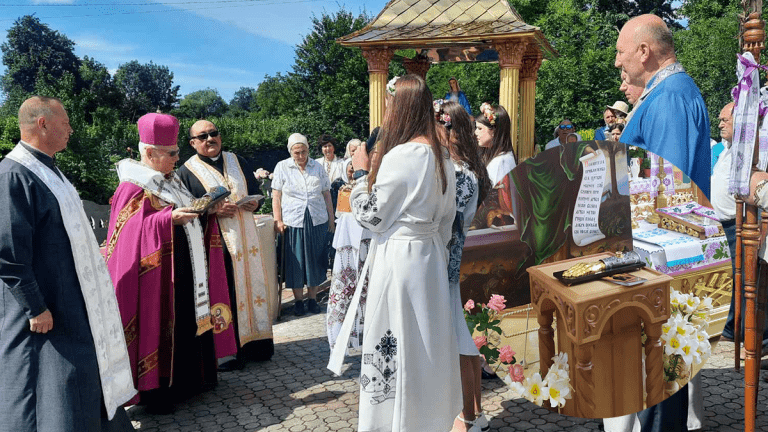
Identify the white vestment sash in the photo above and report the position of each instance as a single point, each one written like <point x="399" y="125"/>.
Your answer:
<point x="254" y="299"/>
<point x="172" y="190"/>
<point x="95" y="284"/>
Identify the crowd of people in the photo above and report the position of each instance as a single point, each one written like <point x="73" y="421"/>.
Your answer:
<point x="173" y="299"/>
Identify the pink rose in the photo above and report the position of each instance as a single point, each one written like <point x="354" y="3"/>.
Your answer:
<point x="516" y="372"/>
<point x="506" y="355"/>
<point x="469" y="305"/>
<point x="480" y="341"/>
<point x="497" y="303"/>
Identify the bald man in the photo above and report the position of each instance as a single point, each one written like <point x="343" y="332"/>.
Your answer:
<point x="56" y="306"/>
<point x="212" y="167"/>
<point x="670" y="117"/>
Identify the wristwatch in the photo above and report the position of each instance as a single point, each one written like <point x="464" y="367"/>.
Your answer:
<point x="359" y="173"/>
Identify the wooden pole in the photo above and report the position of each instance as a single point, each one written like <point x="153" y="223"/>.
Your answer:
<point x="754" y="42"/>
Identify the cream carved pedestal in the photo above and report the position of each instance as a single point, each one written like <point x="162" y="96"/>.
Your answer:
<point x="599" y="326"/>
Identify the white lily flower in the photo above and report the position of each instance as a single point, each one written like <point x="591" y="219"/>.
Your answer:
<point x="557" y="392"/>
<point x="561" y="361"/>
<point x="535" y="390"/>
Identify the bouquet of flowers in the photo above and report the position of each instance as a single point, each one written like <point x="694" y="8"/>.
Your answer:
<point x="684" y="335"/>
<point x="555" y="387"/>
<point x="486" y="323"/>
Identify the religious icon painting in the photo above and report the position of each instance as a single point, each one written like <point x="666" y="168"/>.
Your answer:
<point x="221" y="316"/>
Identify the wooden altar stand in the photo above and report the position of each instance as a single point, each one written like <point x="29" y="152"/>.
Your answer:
<point x="603" y="345"/>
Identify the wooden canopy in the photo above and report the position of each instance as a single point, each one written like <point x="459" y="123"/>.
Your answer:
<point x="458" y="30"/>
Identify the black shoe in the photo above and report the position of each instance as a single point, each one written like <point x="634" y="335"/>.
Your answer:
<point x="487" y="375"/>
<point x="298" y="308"/>
<point x="231" y="365"/>
<point x="312" y="306"/>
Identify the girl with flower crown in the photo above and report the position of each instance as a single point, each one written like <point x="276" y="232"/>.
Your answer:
<point x="472" y="186"/>
<point x="493" y="133"/>
<point x="409" y="373"/>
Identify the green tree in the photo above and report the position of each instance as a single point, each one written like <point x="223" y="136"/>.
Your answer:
<point x="33" y="52"/>
<point x="582" y="80"/>
<point x="332" y="79"/>
<point x="276" y="96"/>
<point x="202" y="104"/>
<point x="99" y="90"/>
<point x="242" y="100"/>
<point x="146" y="88"/>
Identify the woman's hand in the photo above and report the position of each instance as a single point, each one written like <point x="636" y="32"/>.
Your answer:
<point x="360" y="160"/>
<point x="279" y="226"/>
<point x="331" y="225"/>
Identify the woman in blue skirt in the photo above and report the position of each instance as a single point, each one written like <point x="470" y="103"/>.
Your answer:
<point x="303" y="214"/>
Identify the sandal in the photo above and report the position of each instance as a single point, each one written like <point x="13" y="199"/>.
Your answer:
<point x="482" y="421"/>
<point x="473" y="428"/>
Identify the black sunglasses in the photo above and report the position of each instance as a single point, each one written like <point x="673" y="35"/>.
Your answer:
<point x="204" y="136"/>
<point x="566" y="126"/>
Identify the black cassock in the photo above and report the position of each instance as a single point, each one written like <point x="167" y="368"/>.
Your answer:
<point x="259" y="350"/>
<point x="48" y="382"/>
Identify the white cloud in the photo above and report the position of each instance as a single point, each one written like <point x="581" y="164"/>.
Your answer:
<point x="96" y="44"/>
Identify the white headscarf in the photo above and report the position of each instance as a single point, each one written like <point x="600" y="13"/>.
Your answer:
<point x="344" y="170"/>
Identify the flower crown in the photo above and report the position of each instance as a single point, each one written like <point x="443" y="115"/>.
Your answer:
<point x="442" y="117"/>
<point x="488" y="113"/>
<point x="391" y="86"/>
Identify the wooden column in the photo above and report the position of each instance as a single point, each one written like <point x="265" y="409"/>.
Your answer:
<point x="528" y="74"/>
<point x="754" y="38"/>
<point x="418" y="65"/>
<point x="510" y="63"/>
<point x="378" y="67"/>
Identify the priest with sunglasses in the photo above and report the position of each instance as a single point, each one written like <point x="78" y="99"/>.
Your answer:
<point x="562" y="131"/>
<point x="211" y="167"/>
<point x="167" y="265"/>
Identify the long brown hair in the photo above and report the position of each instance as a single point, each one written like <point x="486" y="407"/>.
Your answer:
<point x="407" y="117"/>
<point x="463" y="145"/>
<point x="502" y="136"/>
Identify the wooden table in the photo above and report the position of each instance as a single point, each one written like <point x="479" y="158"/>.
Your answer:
<point x="603" y="345"/>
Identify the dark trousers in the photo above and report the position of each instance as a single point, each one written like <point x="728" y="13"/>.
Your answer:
<point x="670" y="415"/>
<point x="730" y="233"/>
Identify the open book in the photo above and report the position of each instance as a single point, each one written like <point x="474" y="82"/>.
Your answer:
<point x="204" y="203"/>
<point x="249" y="198"/>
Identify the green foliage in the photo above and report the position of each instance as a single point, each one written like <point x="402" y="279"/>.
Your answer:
<point x="242" y="100"/>
<point x="33" y="52"/>
<point x="146" y="88"/>
<point x="202" y="104"/>
<point x="582" y="80"/>
<point x="707" y="50"/>
<point x="478" y="81"/>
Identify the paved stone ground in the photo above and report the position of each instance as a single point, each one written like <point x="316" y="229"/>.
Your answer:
<point x="295" y="392"/>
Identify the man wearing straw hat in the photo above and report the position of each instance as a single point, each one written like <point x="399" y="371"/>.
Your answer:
<point x="613" y="113"/>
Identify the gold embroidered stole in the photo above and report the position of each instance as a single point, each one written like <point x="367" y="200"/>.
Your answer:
<point x="95" y="284"/>
<point x="173" y="191"/>
<point x="254" y="299"/>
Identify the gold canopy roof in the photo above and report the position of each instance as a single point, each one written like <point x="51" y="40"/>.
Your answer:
<point x="436" y="23"/>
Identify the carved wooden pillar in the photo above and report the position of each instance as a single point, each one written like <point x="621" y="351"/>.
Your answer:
<point x="654" y="381"/>
<point x="418" y="65"/>
<point x="510" y="63"/>
<point x="378" y="67"/>
<point x="528" y="74"/>
<point x="546" y="340"/>
<point x="754" y="38"/>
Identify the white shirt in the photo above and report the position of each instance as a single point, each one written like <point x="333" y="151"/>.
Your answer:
<point x="334" y="168"/>
<point x="301" y="190"/>
<point x="723" y="202"/>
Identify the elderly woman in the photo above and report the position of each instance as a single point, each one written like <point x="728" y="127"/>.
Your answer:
<point x="331" y="164"/>
<point x="352" y="145"/>
<point x="303" y="213"/>
<point x="562" y="131"/>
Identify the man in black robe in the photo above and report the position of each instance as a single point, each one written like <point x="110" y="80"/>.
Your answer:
<point x="211" y="165"/>
<point x="50" y="376"/>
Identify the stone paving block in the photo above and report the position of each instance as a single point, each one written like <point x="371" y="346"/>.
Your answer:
<point x="284" y="395"/>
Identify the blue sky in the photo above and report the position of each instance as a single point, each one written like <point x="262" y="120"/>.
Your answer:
<point x="221" y="44"/>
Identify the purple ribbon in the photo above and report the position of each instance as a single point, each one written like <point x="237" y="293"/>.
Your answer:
<point x="746" y="81"/>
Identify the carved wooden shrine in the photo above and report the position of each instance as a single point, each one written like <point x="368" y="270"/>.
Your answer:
<point x="599" y="326"/>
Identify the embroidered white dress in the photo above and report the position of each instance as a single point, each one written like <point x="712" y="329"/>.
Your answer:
<point x="334" y="168"/>
<point x="467" y="193"/>
<point x="409" y="377"/>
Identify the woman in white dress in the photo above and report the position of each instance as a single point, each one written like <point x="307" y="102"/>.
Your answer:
<point x="472" y="186"/>
<point x="409" y="376"/>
